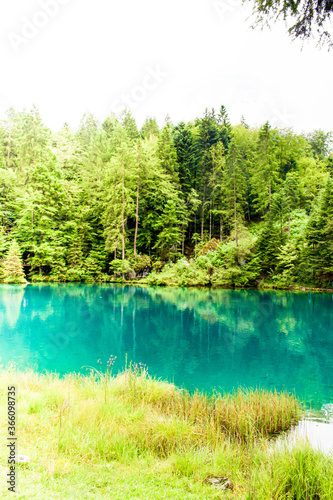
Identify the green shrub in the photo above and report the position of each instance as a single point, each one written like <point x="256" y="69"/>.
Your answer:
<point x="119" y="266"/>
<point x="141" y="262"/>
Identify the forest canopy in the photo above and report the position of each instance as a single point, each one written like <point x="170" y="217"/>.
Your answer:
<point x="206" y="201"/>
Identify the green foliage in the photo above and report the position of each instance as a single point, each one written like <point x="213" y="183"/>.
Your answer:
<point x="287" y="259"/>
<point x="170" y="233"/>
<point x="12" y="268"/>
<point x="119" y="266"/>
<point x="227" y="264"/>
<point x="158" y="265"/>
<point x="209" y="247"/>
<point x="141" y="262"/>
<point x="265" y="169"/>
<point x="183" y="273"/>
<point x="145" y="426"/>
<point x="267" y="247"/>
<point x="77" y="201"/>
<point x="319" y="238"/>
<point x="310" y="19"/>
<point x="166" y="151"/>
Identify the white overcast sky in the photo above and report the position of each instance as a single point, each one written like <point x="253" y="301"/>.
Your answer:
<point x="86" y="55"/>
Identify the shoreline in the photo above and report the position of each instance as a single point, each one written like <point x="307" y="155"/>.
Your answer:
<point x="292" y="288"/>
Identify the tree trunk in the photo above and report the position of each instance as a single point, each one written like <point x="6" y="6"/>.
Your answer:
<point x="289" y="223"/>
<point x="203" y="212"/>
<point x="221" y="227"/>
<point x="202" y="220"/>
<point x="136" y="215"/>
<point x="123" y="213"/>
<point x="9" y="143"/>
<point x="210" y="220"/>
<point x="235" y="202"/>
<point x="34" y="142"/>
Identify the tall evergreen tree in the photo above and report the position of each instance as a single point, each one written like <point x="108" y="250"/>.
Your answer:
<point x="120" y="184"/>
<point x="149" y="128"/>
<point x="170" y="232"/>
<point x="265" y="170"/>
<point x="167" y="152"/>
<point x="13" y="266"/>
<point x="208" y="135"/>
<point x="235" y="187"/>
<point x="319" y="238"/>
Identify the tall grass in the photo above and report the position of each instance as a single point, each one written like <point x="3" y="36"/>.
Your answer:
<point x="246" y="414"/>
<point x="153" y="433"/>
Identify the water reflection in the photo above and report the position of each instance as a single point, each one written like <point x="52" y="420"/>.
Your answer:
<point x="11" y="298"/>
<point x="315" y="429"/>
<point x="319" y="433"/>
<point x="196" y="338"/>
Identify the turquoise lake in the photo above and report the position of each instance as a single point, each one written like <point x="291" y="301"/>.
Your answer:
<point x="196" y="338"/>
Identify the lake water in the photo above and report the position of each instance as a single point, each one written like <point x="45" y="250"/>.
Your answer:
<point x="198" y="339"/>
<point x="201" y="339"/>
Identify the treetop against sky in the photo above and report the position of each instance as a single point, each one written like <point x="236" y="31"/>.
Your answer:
<point x="176" y="58"/>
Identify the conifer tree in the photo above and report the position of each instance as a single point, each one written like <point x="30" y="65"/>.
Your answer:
<point x="120" y="187"/>
<point x="13" y="265"/>
<point x="235" y="187"/>
<point x="319" y="238"/>
<point x="186" y="156"/>
<point x="265" y="170"/>
<point x="129" y="124"/>
<point x="149" y="128"/>
<point x="170" y="235"/>
<point x="167" y="152"/>
<point x="218" y="183"/>
<point x="267" y="247"/>
<point x="207" y="136"/>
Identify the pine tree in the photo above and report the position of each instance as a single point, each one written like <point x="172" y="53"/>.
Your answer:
<point x="218" y="183"/>
<point x="319" y="238"/>
<point x="145" y="167"/>
<point x="13" y="266"/>
<point x="186" y="156"/>
<point x="223" y="118"/>
<point x="267" y="247"/>
<point x="167" y="152"/>
<point x="149" y="128"/>
<point x="170" y="235"/>
<point x="207" y="136"/>
<point x="265" y="170"/>
<point x="235" y="184"/>
<point x="287" y="259"/>
<point x="119" y="193"/>
<point x="128" y="122"/>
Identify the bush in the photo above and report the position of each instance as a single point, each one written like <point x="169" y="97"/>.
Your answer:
<point x="183" y="273"/>
<point x="141" y="262"/>
<point x="119" y="266"/>
<point x="92" y="269"/>
<point x="158" y="265"/>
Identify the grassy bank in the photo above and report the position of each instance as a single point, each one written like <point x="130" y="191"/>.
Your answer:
<point x="131" y="437"/>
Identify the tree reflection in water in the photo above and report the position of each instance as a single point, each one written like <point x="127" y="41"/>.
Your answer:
<point x="198" y="338"/>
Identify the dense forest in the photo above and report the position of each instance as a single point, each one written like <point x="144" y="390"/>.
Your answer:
<point x="199" y="203"/>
